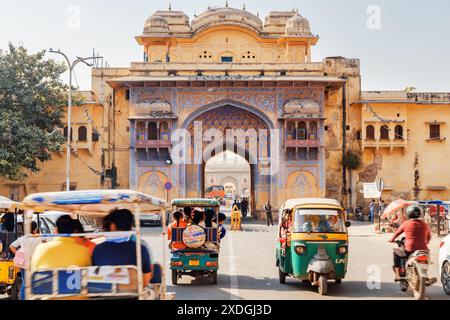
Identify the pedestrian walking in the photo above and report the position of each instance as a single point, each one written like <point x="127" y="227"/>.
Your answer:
<point x="269" y="217"/>
<point x="371" y="210"/>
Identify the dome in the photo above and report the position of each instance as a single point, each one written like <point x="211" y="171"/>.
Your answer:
<point x="220" y="16"/>
<point x="156" y="24"/>
<point x="298" y="26"/>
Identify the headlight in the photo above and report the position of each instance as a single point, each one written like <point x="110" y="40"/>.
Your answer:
<point x="300" y="249"/>
<point x="342" y="249"/>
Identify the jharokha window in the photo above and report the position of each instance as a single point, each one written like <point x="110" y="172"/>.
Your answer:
<point x="302" y="132"/>
<point x="370" y="132"/>
<point x="398" y="132"/>
<point x="82" y="133"/>
<point x="384" y="132"/>
<point x="435" y="131"/>
<point x="152" y="131"/>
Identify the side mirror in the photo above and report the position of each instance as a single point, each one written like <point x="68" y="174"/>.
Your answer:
<point x="348" y="224"/>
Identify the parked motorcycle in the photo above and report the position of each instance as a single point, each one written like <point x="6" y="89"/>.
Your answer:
<point x="414" y="270"/>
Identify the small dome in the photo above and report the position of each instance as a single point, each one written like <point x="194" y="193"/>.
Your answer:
<point x="156" y="24"/>
<point x="298" y="26"/>
<point x="218" y="16"/>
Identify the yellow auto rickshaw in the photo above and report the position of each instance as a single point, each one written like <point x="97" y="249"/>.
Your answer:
<point x="10" y="277"/>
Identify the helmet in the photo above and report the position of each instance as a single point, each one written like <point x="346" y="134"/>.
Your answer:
<point x="413" y="212"/>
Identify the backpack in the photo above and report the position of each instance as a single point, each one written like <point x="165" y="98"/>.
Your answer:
<point x="20" y="260"/>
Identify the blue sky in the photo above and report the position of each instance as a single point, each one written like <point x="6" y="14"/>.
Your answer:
<point x="411" y="47"/>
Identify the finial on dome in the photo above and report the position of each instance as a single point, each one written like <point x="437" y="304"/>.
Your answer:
<point x="170" y="6"/>
<point x="257" y="14"/>
<point x="243" y="7"/>
<point x="226" y="3"/>
<point x="209" y="7"/>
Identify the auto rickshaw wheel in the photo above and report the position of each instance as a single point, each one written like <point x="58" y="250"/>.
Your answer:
<point x="174" y="277"/>
<point x="323" y="285"/>
<point x="16" y="287"/>
<point x="214" y="277"/>
<point x="338" y="281"/>
<point x="281" y="276"/>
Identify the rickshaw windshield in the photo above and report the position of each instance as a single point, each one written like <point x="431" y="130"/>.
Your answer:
<point x="318" y="221"/>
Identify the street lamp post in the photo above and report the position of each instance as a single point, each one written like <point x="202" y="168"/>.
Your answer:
<point x="71" y="66"/>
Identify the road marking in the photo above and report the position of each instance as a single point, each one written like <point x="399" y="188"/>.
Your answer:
<point x="234" y="288"/>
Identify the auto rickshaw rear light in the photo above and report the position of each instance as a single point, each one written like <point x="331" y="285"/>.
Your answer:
<point x="177" y="263"/>
<point x="211" y="263"/>
<point x="342" y="250"/>
<point x="441" y="244"/>
<point x="300" y="249"/>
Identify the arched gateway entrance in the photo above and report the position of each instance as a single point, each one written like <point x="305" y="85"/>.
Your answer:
<point x="234" y="127"/>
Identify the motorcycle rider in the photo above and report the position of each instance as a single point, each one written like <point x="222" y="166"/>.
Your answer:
<point x="417" y="234"/>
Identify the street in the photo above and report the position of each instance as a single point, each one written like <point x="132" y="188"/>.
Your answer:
<point x="247" y="269"/>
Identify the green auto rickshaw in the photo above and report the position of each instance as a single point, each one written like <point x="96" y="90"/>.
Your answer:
<point x="312" y="243"/>
<point x="199" y="254"/>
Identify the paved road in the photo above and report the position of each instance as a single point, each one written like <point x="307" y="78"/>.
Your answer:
<point x="247" y="269"/>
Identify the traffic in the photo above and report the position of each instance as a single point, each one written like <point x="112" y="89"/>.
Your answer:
<point x="88" y="245"/>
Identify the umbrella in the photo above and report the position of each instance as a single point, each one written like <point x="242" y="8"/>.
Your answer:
<point x="395" y="206"/>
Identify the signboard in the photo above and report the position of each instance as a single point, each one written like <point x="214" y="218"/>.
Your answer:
<point x="108" y="274"/>
<point x="167" y="186"/>
<point x="371" y="191"/>
<point x="380" y="185"/>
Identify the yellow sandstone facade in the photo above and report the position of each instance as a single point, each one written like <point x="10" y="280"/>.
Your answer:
<point x="228" y="71"/>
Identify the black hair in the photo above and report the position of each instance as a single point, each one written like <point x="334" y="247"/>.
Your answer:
<point x="34" y="226"/>
<point x="222" y="217"/>
<point x="198" y="216"/>
<point x="209" y="215"/>
<point x="8" y="221"/>
<point x="78" y="226"/>
<point x="65" y="224"/>
<point x="177" y="215"/>
<point x="123" y="219"/>
<point x="187" y="211"/>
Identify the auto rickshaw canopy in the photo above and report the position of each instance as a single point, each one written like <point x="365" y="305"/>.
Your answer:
<point x="312" y="203"/>
<point x="8" y="204"/>
<point x="96" y="203"/>
<point x="195" y="202"/>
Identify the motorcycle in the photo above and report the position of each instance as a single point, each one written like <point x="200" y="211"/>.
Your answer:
<point x="414" y="270"/>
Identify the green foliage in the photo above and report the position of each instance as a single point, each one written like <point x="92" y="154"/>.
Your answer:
<point x="352" y="160"/>
<point x="32" y="100"/>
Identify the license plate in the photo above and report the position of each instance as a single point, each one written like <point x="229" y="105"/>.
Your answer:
<point x="194" y="263"/>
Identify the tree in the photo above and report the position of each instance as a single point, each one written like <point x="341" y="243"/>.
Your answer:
<point x="352" y="160"/>
<point x="32" y="101"/>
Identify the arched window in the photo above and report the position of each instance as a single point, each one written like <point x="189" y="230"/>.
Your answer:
<point x="164" y="131"/>
<point x="65" y="133"/>
<point x="152" y="131"/>
<point x="290" y="131"/>
<point x="370" y="132"/>
<point x="398" y="132"/>
<point x="313" y="130"/>
<point x="302" y="133"/>
<point x="384" y="132"/>
<point x="140" y="131"/>
<point x="82" y="133"/>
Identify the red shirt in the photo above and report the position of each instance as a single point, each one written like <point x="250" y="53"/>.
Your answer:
<point x="417" y="235"/>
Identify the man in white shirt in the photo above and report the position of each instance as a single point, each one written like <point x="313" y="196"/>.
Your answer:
<point x="27" y="245"/>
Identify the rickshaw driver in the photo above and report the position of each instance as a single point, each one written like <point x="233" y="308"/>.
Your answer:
<point x="121" y="252"/>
